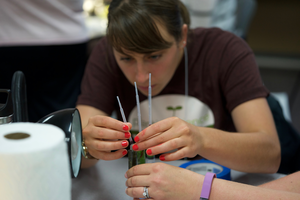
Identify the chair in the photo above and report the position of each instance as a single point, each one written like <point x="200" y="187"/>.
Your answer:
<point x="289" y="139"/>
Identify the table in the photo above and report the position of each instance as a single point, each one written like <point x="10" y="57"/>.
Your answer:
<point x="106" y="181"/>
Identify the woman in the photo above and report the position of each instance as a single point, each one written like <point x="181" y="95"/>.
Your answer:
<point x="221" y="96"/>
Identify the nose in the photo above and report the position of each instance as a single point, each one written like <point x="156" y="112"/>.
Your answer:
<point x="141" y="72"/>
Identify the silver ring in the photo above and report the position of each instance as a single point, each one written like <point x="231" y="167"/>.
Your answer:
<point x="145" y="193"/>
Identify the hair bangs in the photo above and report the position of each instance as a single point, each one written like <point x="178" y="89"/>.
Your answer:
<point x="136" y="32"/>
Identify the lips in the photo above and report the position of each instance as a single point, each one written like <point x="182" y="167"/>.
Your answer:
<point x="145" y="88"/>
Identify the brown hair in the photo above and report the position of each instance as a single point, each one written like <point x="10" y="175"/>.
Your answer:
<point x="132" y="24"/>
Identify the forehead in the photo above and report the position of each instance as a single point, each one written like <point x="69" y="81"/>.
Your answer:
<point x="165" y="35"/>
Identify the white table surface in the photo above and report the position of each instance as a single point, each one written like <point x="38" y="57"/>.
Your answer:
<point x="106" y="181"/>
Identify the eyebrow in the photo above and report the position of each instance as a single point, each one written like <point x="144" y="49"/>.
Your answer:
<point x="123" y="54"/>
<point x="145" y="54"/>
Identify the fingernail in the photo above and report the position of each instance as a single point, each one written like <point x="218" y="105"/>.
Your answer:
<point x="136" y="139"/>
<point x="127" y="135"/>
<point x="135" y="147"/>
<point x="125" y="127"/>
<point x="125" y="175"/>
<point x="162" y="158"/>
<point x="124" y="153"/>
<point x="149" y="152"/>
<point x="124" y="143"/>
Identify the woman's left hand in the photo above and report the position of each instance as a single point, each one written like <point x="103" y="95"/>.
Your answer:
<point x="164" y="182"/>
<point x="170" y="134"/>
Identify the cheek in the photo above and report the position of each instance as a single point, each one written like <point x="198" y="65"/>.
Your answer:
<point x="127" y="71"/>
<point x="170" y="62"/>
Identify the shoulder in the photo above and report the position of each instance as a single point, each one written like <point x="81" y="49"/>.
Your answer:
<point x="214" y="36"/>
<point x="216" y="44"/>
<point x="102" y="44"/>
<point x="101" y="51"/>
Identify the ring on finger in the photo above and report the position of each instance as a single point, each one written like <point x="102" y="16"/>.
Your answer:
<point x="146" y="193"/>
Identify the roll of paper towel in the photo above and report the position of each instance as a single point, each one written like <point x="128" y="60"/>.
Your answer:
<point x="33" y="162"/>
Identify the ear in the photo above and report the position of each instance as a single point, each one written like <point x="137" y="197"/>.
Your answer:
<point x="184" y="32"/>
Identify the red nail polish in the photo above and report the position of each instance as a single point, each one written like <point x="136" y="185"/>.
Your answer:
<point x="136" y="139"/>
<point x="125" y="127"/>
<point x="135" y="147"/>
<point x="149" y="152"/>
<point x="162" y="158"/>
<point x="127" y="135"/>
<point x="124" y="152"/>
<point x="124" y="143"/>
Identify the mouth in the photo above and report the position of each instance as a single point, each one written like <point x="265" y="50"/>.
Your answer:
<point x="145" y="89"/>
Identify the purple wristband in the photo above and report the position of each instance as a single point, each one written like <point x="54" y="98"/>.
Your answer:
<point x="206" y="187"/>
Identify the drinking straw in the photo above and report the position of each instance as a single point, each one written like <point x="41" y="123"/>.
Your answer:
<point x="141" y="158"/>
<point x="150" y="159"/>
<point x="138" y="107"/>
<point x="124" y="118"/>
<point x="149" y="100"/>
<point x="186" y="82"/>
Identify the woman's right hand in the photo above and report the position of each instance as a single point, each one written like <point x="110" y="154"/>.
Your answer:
<point x="102" y="134"/>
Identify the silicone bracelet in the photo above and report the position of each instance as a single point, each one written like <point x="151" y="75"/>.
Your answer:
<point x="206" y="187"/>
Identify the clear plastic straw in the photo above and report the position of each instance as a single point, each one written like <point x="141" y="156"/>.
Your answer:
<point x="141" y="158"/>
<point x="150" y="100"/>
<point x="150" y="159"/>
<point x="138" y="107"/>
<point x="186" y="82"/>
<point x="124" y="118"/>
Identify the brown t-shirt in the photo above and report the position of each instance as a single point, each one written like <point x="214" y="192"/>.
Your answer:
<point x="222" y="74"/>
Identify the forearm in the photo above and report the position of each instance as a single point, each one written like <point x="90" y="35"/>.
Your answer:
<point x="222" y="189"/>
<point x="230" y="190"/>
<point x="247" y="152"/>
<point x="87" y="163"/>
<point x="289" y="183"/>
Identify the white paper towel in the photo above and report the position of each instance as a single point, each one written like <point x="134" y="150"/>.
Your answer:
<point x="36" y="167"/>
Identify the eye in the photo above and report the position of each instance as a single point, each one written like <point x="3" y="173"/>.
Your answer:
<point x="155" y="57"/>
<point x="125" y="58"/>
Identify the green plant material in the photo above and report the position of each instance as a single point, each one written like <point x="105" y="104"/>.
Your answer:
<point x="174" y="109"/>
<point x="141" y="157"/>
<point x="132" y="158"/>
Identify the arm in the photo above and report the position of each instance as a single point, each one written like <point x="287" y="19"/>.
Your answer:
<point x="254" y="148"/>
<point x="162" y="184"/>
<point x="102" y="134"/>
<point x="289" y="183"/>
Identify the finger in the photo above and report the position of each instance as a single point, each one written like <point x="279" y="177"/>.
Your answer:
<point x="105" y="133"/>
<point x="158" y="127"/>
<point x="143" y="169"/>
<point x="137" y="192"/>
<point x="167" y="136"/>
<point x="101" y="145"/>
<point x="174" y="144"/>
<point x="138" y="181"/>
<point x="102" y="155"/>
<point x="176" y="155"/>
<point x="111" y="123"/>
